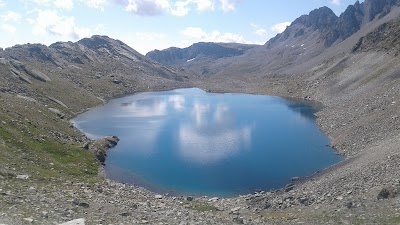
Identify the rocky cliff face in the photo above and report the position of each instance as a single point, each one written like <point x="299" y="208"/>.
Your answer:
<point x="382" y="39"/>
<point x="334" y="29"/>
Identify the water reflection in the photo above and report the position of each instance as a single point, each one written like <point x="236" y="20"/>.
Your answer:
<point x="178" y="102"/>
<point x="206" y="135"/>
<point x="148" y="107"/>
<point x="199" y="113"/>
<point x="212" y="137"/>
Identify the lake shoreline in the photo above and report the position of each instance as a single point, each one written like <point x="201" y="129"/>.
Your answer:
<point x="306" y="110"/>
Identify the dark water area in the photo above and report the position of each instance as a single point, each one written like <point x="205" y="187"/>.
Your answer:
<point x="189" y="142"/>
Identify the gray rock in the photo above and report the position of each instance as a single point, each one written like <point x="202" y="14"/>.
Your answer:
<point x="238" y="220"/>
<point x="23" y="177"/>
<point x="125" y="214"/>
<point x="101" y="147"/>
<point x="289" y="187"/>
<point x="158" y="196"/>
<point x="57" y="112"/>
<point x="75" y="222"/>
<point x="388" y="192"/>
<point x="115" y="81"/>
<point x="26" y="98"/>
<point x="3" y="61"/>
<point x="57" y="101"/>
<point x="29" y="220"/>
<point x="267" y="205"/>
<point x="213" y="199"/>
<point x="294" y="179"/>
<point x="85" y="145"/>
<point x="45" y="215"/>
<point x="84" y="204"/>
<point x="36" y="74"/>
<point x="20" y="75"/>
<point x="349" y="205"/>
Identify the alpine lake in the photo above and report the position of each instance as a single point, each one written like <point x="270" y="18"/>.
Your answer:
<point x="190" y="142"/>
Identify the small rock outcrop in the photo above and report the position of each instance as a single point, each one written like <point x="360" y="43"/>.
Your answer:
<point x="101" y="146"/>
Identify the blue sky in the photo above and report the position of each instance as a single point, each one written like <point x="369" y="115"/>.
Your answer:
<point x="146" y="25"/>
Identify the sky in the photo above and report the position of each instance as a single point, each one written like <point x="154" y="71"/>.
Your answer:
<point x="146" y="25"/>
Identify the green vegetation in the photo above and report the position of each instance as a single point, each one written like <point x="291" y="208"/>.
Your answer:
<point x="45" y="159"/>
<point x="203" y="207"/>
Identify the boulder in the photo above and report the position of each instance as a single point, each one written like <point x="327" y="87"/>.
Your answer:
<point x="22" y="177"/>
<point x="388" y="192"/>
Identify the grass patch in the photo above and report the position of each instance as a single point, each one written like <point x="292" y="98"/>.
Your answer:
<point x="203" y="207"/>
<point x="45" y="159"/>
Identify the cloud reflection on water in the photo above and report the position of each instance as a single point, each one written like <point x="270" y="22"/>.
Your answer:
<point x="178" y="102"/>
<point x="144" y="108"/>
<point x="211" y="137"/>
<point x="206" y="135"/>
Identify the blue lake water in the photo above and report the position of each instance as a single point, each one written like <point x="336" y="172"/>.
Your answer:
<point x="189" y="142"/>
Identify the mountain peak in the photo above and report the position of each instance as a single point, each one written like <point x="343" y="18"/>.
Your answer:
<point x="97" y="41"/>
<point x="318" y="19"/>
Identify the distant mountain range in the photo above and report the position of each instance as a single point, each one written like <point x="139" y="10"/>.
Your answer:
<point x="199" y="55"/>
<point x="296" y="50"/>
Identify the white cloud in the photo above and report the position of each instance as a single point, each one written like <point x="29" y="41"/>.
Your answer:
<point x="258" y="30"/>
<point x="2" y="3"/>
<point x="336" y="2"/>
<point x="48" y="22"/>
<point x="9" y="28"/>
<point x="198" y="34"/>
<point x="97" y="4"/>
<point x="182" y="8"/>
<point x="64" y="4"/>
<point x="144" y="42"/>
<point x="11" y="16"/>
<point x="41" y="2"/>
<point x="229" y="5"/>
<point x="280" y="27"/>
<point x="204" y="5"/>
<point x="147" y="7"/>
<point x="261" y="32"/>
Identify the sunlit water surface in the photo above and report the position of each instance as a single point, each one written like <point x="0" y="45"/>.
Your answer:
<point x="189" y="142"/>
